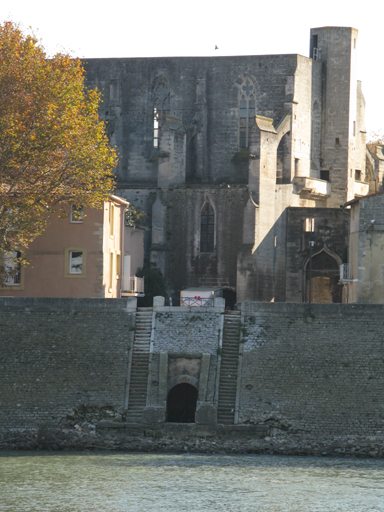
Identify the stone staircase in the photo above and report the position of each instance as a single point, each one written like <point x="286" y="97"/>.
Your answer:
<point x="139" y="366"/>
<point x="228" y="368"/>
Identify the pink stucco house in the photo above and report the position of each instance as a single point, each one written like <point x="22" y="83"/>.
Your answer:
<point x="91" y="253"/>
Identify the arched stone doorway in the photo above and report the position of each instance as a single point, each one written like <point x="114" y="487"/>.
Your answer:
<point x="181" y="404"/>
<point x="325" y="287"/>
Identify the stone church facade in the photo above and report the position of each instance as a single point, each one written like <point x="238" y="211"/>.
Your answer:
<point x="237" y="160"/>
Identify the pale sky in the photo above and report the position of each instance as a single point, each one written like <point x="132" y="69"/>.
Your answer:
<point x="151" y="28"/>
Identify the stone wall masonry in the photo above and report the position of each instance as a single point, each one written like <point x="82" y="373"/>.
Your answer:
<point x="317" y="373"/>
<point x="187" y="330"/>
<point x="223" y="76"/>
<point x="192" y="332"/>
<point x="58" y="353"/>
<point x="321" y="373"/>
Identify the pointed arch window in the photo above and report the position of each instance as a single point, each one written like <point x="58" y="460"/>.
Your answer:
<point x="161" y="106"/>
<point x="247" y="112"/>
<point x="207" y="228"/>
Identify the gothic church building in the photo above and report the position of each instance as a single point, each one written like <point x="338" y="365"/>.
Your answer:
<point x="237" y="161"/>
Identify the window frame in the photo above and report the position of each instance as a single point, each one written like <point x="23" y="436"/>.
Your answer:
<point x="67" y="263"/>
<point x="14" y="286"/>
<point x="247" y="111"/>
<point x="205" y="246"/>
<point x="309" y="225"/>
<point x="74" y="220"/>
<point x="161" y="106"/>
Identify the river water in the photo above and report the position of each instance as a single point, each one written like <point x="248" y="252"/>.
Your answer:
<point x="190" y="483"/>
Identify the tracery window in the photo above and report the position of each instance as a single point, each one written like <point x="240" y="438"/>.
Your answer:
<point x="207" y="228"/>
<point x="161" y="105"/>
<point x="247" y="112"/>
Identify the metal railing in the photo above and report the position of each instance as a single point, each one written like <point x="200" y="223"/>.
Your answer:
<point x="196" y="301"/>
<point x="133" y="285"/>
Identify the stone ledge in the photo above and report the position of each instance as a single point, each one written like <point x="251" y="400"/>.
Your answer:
<point x="185" y="429"/>
<point x="57" y="304"/>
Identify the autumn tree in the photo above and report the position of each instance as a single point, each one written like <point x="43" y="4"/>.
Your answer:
<point x="53" y="149"/>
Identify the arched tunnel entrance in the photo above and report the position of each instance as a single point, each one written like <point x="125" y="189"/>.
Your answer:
<point x="181" y="404"/>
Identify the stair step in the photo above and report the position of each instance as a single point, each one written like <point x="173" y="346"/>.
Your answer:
<point x="229" y="368"/>
<point x="139" y="365"/>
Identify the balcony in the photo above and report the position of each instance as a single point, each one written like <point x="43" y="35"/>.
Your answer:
<point x="312" y="188"/>
<point x="361" y="189"/>
<point x="132" y="286"/>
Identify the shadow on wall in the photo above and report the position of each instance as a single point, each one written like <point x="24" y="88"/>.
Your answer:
<point x="278" y="270"/>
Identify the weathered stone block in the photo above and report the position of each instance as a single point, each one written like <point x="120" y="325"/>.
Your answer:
<point x="158" y="301"/>
<point x="154" y="415"/>
<point x="206" y="414"/>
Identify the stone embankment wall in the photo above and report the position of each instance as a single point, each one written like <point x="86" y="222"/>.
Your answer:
<point x="58" y="353"/>
<point x="318" y="373"/>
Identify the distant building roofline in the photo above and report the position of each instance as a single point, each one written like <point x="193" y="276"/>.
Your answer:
<point x="352" y="201"/>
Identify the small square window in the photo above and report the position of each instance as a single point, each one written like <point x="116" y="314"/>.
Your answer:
<point x="357" y="175"/>
<point x="77" y="214"/>
<point x="324" y="175"/>
<point x="75" y="262"/>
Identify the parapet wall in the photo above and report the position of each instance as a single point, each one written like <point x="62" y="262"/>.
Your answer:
<point x="321" y="373"/>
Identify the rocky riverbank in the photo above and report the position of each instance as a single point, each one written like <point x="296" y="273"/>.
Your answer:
<point x="86" y="437"/>
<point x="105" y="428"/>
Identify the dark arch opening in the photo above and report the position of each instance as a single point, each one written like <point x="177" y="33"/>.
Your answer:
<point x="230" y="297"/>
<point x="181" y="404"/>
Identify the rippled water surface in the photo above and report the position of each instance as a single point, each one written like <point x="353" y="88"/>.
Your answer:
<point x="191" y="483"/>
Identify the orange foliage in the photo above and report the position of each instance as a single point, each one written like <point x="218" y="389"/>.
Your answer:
<point x="53" y="149"/>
